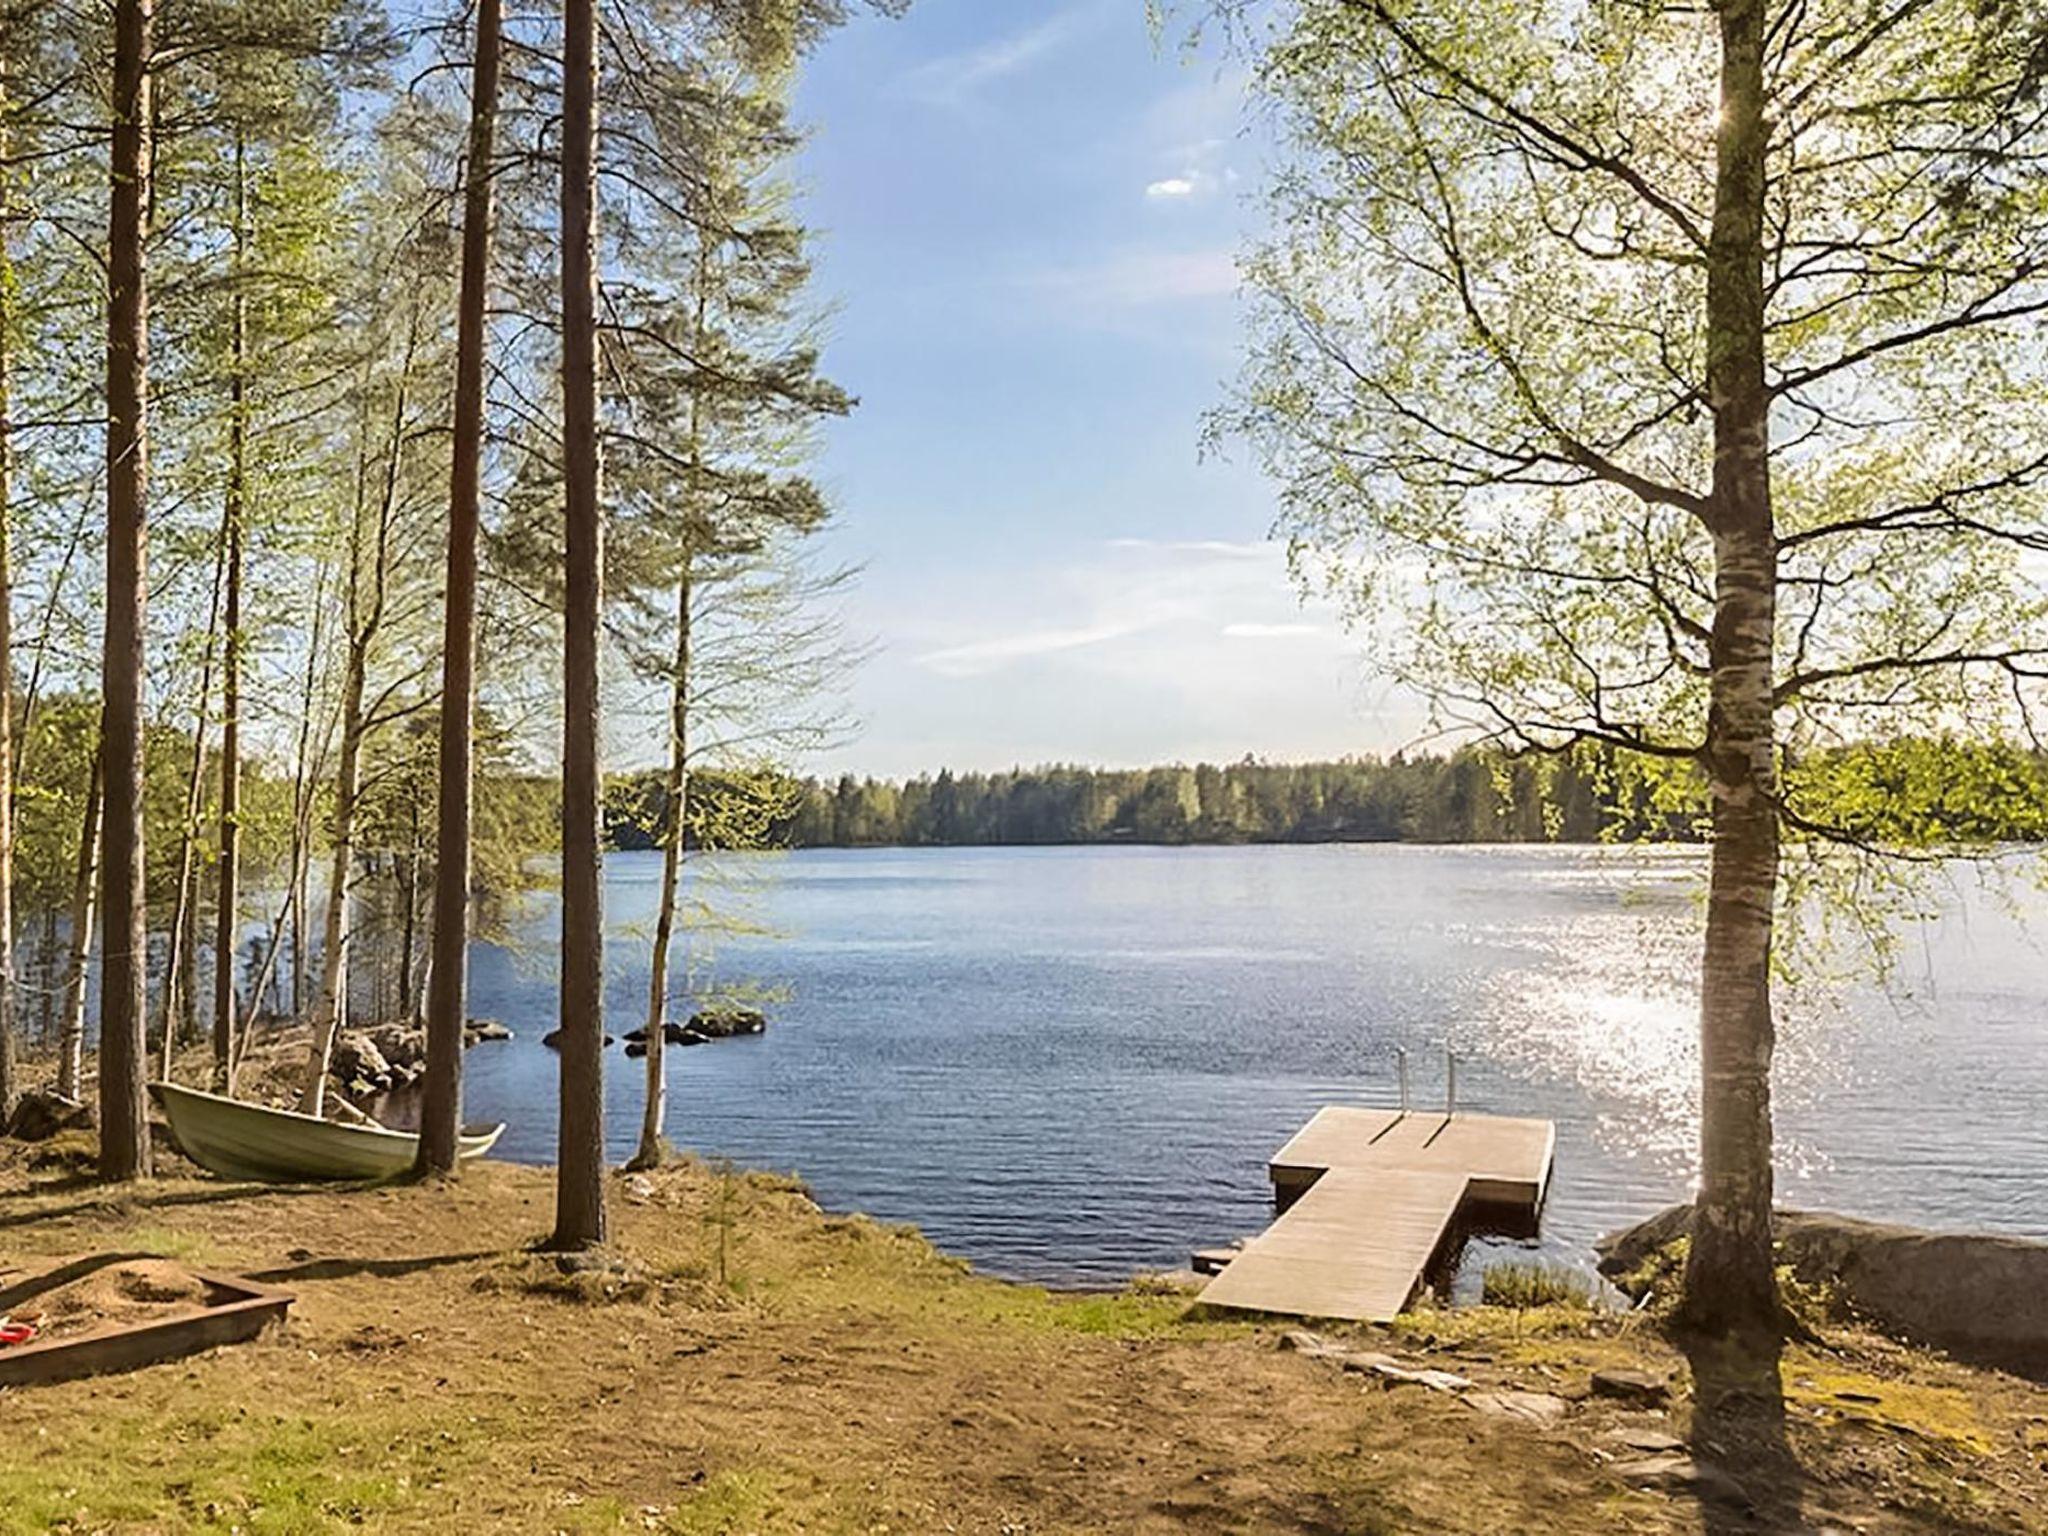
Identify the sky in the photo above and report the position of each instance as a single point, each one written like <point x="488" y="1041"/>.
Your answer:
<point x="1029" y="216"/>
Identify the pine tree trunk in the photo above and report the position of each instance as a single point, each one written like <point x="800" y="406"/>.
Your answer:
<point x="1729" y="1285"/>
<point x="227" y="934"/>
<point x="655" y="1114"/>
<point x="579" y="1173"/>
<point x="124" y="1124"/>
<point x="71" y="1042"/>
<point x="447" y="1000"/>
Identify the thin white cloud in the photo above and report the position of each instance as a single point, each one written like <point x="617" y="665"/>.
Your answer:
<point x="1249" y="631"/>
<point x="952" y="79"/>
<point x="1139" y="279"/>
<point x="1173" y="186"/>
<point x="1138" y="593"/>
<point x="990" y="655"/>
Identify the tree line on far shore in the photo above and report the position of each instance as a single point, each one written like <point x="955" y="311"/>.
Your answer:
<point x="1956" y="792"/>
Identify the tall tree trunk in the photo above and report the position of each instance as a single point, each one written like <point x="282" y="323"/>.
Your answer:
<point x="447" y="1000"/>
<point x="46" y="968"/>
<point x="71" y="1043"/>
<point x="369" y="560"/>
<point x="183" y="930"/>
<point x="579" y="1172"/>
<point x="302" y="784"/>
<point x="408" y="934"/>
<point x="1729" y="1285"/>
<point x="677" y="787"/>
<point x="228" y="918"/>
<point x="332" y="1005"/>
<point x="9" y="1088"/>
<point x="124" y="1124"/>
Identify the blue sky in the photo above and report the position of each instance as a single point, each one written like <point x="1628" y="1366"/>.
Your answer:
<point x="1029" y="214"/>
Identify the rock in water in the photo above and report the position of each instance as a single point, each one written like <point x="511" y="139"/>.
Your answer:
<point x="724" y="1023"/>
<point x="477" y="1031"/>
<point x="553" y="1039"/>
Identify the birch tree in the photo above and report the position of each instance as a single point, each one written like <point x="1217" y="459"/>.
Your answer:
<point x="1672" y="378"/>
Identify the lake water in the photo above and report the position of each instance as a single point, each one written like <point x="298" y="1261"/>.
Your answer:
<point x="1072" y="1064"/>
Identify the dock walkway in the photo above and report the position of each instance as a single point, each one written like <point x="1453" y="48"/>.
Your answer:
<point x="1367" y="1196"/>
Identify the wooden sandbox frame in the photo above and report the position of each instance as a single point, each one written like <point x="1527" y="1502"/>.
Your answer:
<point x="236" y="1310"/>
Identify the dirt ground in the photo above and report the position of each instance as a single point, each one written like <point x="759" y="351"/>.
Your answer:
<point x="754" y="1364"/>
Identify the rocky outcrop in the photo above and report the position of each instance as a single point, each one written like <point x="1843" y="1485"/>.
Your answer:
<point x="1982" y="1298"/>
<point x="382" y="1057"/>
<point x="40" y="1114"/>
<point x="358" y="1064"/>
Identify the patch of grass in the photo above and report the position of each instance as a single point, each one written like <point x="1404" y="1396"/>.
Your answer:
<point x="217" y="1472"/>
<point x="169" y="1243"/>
<point x="1470" y="1327"/>
<point x="746" y="1499"/>
<point x="1526" y="1286"/>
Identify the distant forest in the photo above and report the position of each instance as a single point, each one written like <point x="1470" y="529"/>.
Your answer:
<point x="1919" y="792"/>
<point x="1463" y="797"/>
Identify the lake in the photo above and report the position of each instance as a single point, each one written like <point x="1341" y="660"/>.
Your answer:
<point x="1071" y="1064"/>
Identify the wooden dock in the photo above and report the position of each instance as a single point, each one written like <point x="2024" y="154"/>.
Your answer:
<point x="1366" y="1198"/>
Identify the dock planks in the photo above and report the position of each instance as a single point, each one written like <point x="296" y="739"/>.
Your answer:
<point x="1366" y="1197"/>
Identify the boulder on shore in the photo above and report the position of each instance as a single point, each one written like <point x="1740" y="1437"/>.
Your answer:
<point x="42" y="1113"/>
<point x="1981" y="1297"/>
<point x="357" y="1060"/>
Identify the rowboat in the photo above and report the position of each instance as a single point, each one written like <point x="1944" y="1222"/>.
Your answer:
<point x="281" y="1146"/>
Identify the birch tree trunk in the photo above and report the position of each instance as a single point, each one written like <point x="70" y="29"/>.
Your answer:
<point x="124" y="1125"/>
<point x="655" y="1113"/>
<point x="579" y="1172"/>
<point x="447" y="999"/>
<point x="71" y="1040"/>
<point x="1729" y="1284"/>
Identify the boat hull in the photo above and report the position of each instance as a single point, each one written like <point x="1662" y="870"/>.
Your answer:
<point x="277" y="1146"/>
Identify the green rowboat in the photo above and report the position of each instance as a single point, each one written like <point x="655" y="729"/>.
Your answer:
<point x="280" y="1146"/>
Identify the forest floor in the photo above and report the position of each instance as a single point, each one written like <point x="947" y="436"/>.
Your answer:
<point x="755" y="1364"/>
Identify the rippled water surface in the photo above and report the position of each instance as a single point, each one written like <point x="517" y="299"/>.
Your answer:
<point x="1070" y="1064"/>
